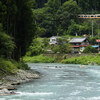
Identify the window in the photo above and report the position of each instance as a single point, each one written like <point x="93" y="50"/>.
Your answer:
<point x="53" y="40"/>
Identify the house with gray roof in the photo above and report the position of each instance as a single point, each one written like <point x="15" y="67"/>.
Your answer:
<point x="54" y="40"/>
<point x="79" y="44"/>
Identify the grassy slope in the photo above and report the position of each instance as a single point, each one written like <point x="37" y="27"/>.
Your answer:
<point x="83" y="60"/>
<point x="8" y="67"/>
<point x="39" y="59"/>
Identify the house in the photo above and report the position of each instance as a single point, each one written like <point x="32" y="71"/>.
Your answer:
<point x="79" y="44"/>
<point x="54" y="40"/>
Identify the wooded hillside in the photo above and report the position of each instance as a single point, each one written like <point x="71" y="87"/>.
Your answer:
<point x="23" y="20"/>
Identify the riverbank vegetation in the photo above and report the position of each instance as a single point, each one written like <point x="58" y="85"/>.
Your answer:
<point x="22" y="22"/>
<point x="39" y="59"/>
<point x="84" y="60"/>
<point x="9" y="67"/>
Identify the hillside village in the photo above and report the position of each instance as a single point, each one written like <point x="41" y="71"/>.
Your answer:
<point x="61" y="49"/>
<point x="48" y="31"/>
<point x="78" y="44"/>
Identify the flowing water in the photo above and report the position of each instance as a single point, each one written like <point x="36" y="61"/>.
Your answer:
<point x="61" y="82"/>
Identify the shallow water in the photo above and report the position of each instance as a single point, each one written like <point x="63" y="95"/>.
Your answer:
<point x="61" y="82"/>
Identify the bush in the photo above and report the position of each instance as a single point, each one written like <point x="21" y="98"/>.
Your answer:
<point x="23" y="66"/>
<point x="20" y="65"/>
<point x="83" y="60"/>
<point x="39" y="59"/>
<point x="65" y="48"/>
<point x="36" y="48"/>
<point x="55" y="49"/>
<point x="62" y="48"/>
<point x="89" y="49"/>
<point x="7" y="67"/>
<point x="6" y="44"/>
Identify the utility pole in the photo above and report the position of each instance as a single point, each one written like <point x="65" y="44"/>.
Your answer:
<point x="92" y="24"/>
<point x="98" y="31"/>
<point x="90" y="16"/>
<point x="92" y="29"/>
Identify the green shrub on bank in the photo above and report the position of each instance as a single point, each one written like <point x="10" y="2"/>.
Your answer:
<point x="62" y="48"/>
<point x="6" y="44"/>
<point x="36" y="47"/>
<point x="89" y="49"/>
<point x="20" y="65"/>
<point x="23" y="66"/>
<point x="9" y="67"/>
<point x="86" y="60"/>
<point x="39" y="59"/>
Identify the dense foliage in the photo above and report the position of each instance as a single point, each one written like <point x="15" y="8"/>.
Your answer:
<point x="16" y="16"/>
<point x="60" y="17"/>
<point x="9" y="67"/>
<point x="63" y="48"/>
<point x="21" y="21"/>
<point x="85" y="60"/>
<point x="86" y="5"/>
<point x="26" y="19"/>
<point x="6" y="44"/>
<point x="39" y="59"/>
<point x="89" y="49"/>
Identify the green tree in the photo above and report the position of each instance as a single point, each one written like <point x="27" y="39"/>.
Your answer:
<point x="65" y="48"/>
<point x="6" y="44"/>
<point x="68" y="11"/>
<point x="40" y="32"/>
<point x="35" y="48"/>
<point x="18" y="22"/>
<point x="46" y="17"/>
<point x="62" y="48"/>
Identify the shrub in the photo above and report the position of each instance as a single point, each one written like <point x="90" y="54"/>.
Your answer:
<point x="7" y="67"/>
<point x="83" y="60"/>
<point x="23" y="66"/>
<point x="62" y="48"/>
<point x="89" y="49"/>
<point x="55" y="49"/>
<point x="6" y="44"/>
<point x="20" y="65"/>
<point x="36" y="48"/>
<point x="65" y="48"/>
<point x="39" y="59"/>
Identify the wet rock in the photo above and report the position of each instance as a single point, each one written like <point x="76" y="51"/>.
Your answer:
<point x="11" y="87"/>
<point x="10" y="78"/>
<point x="10" y="82"/>
<point x="1" y="83"/>
<point x="5" y="91"/>
<point x="15" y="83"/>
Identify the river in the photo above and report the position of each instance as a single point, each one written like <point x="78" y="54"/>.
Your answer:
<point x="60" y="82"/>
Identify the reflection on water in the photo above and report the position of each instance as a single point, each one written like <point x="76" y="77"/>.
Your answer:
<point x="61" y="82"/>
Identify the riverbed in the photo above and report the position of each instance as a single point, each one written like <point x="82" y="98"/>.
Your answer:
<point x="60" y="82"/>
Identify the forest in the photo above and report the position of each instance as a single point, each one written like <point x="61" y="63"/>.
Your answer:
<point x="21" y="21"/>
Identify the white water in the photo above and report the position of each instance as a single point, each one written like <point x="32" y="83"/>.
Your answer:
<point x="61" y="82"/>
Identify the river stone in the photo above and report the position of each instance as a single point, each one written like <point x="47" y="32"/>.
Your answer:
<point x="15" y="83"/>
<point x="10" y="78"/>
<point x="4" y="91"/>
<point x="1" y="83"/>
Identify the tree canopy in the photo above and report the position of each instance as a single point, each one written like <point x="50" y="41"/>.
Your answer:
<point x="23" y="20"/>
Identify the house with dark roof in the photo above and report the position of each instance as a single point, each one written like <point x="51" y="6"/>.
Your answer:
<point x="79" y="44"/>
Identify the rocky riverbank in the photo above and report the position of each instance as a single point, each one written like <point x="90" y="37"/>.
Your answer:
<point x="9" y="83"/>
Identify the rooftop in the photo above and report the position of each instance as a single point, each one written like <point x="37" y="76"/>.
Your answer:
<point x="77" y="40"/>
<point x="55" y="37"/>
